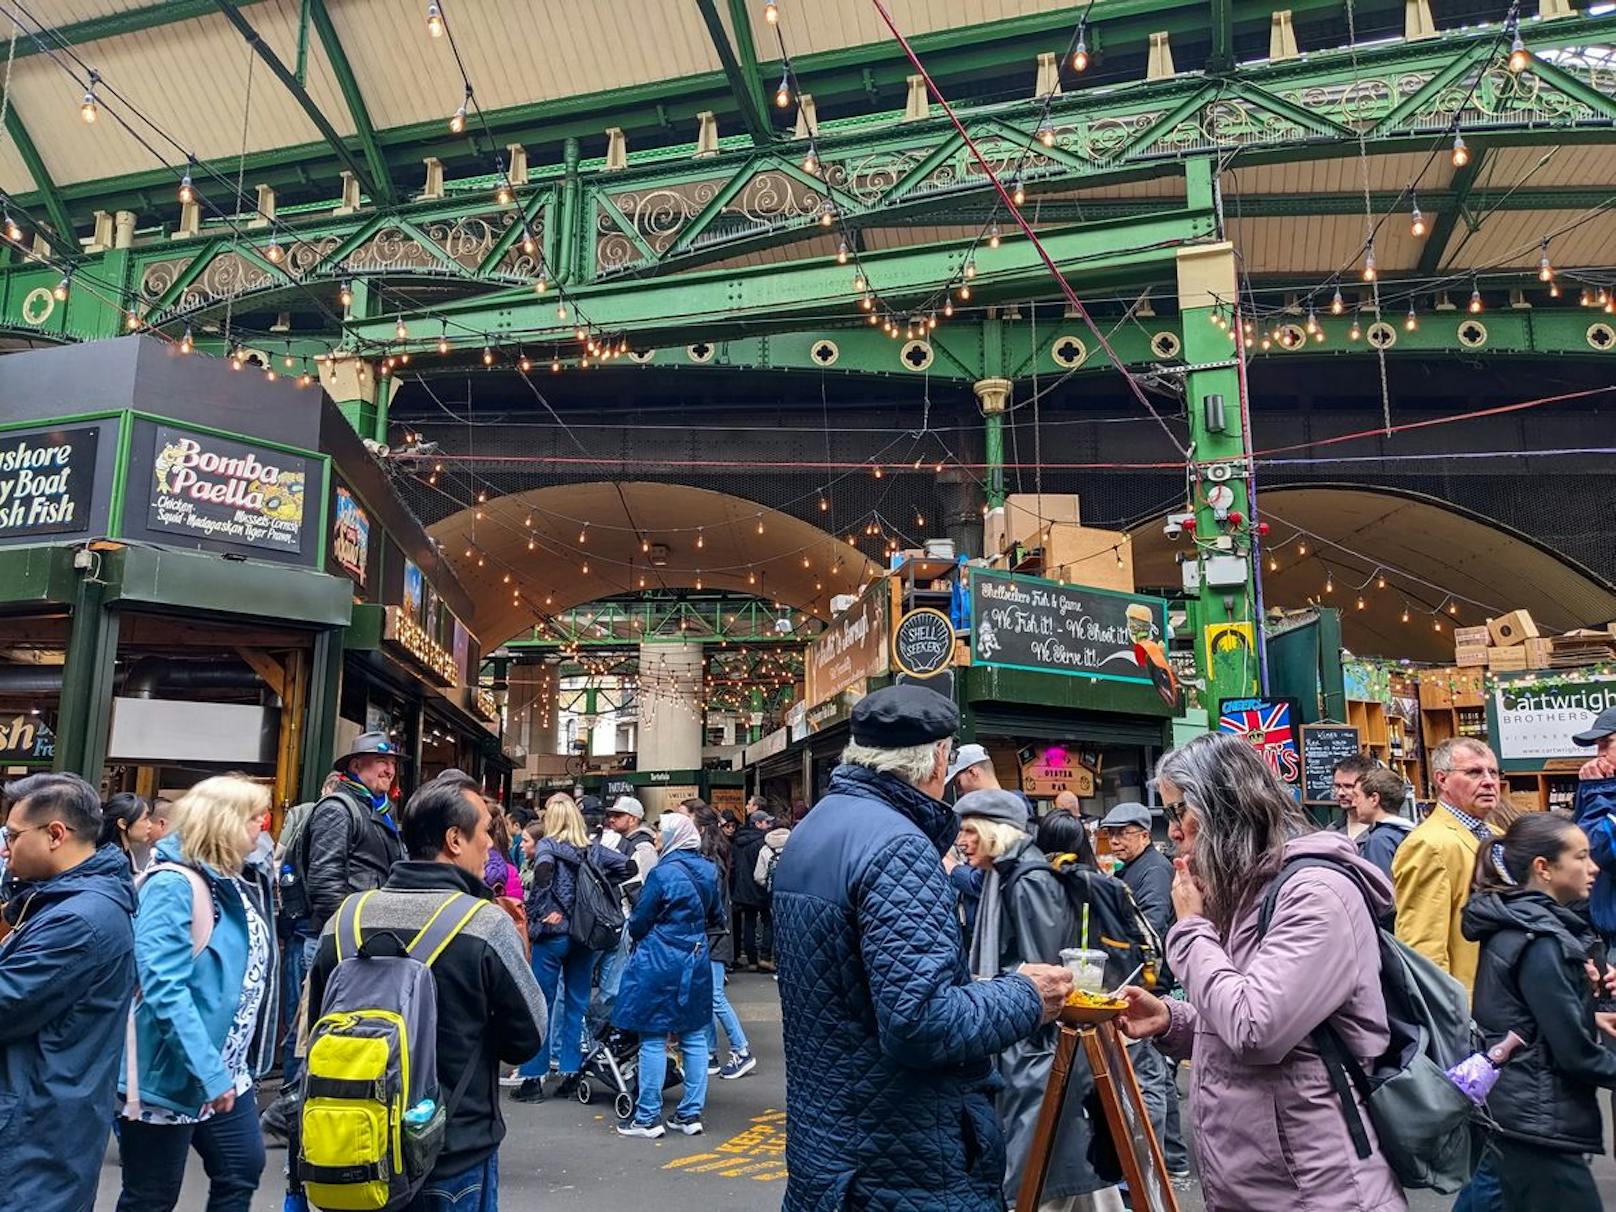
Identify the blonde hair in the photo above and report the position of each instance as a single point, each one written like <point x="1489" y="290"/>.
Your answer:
<point x="563" y="821"/>
<point x="211" y="820"/>
<point x="996" y="837"/>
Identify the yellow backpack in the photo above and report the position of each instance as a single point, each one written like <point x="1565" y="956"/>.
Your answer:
<point x="372" y="1121"/>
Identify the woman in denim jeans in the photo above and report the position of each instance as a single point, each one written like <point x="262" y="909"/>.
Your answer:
<point x="715" y="847"/>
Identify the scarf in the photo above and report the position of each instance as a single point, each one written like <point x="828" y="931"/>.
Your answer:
<point x="986" y="941"/>
<point x="679" y="832"/>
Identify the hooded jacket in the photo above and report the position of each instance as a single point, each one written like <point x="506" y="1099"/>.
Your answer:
<point x="745" y="890"/>
<point x="67" y="972"/>
<point x="490" y="1009"/>
<point x="1269" y="1130"/>
<point x="667" y="986"/>
<point x="888" y="1040"/>
<point x="774" y="841"/>
<point x="1595" y="802"/>
<point x="349" y="846"/>
<point x="554" y="884"/>
<point x="1380" y="841"/>
<point x="1530" y="980"/>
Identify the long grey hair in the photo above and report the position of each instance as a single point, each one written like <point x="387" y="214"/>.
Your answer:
<point x="1245" y="817"/>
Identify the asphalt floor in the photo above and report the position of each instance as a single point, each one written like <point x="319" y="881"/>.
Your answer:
<point x="564" y="1155"/>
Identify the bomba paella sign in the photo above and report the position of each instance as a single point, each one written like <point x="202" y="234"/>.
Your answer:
<point x="208" y="487"/>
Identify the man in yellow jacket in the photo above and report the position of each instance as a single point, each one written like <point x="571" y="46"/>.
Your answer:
<point x="1436" y="864"/>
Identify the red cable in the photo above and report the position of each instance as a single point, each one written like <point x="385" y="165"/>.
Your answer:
<point x="1026" y="229"/>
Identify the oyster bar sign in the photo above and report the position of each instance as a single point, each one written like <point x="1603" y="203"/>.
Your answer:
<point x="212" y="488"/>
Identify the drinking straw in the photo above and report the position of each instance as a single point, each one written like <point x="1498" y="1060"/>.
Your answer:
<point x="1085" y="927"/>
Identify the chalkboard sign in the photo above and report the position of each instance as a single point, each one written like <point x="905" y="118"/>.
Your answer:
<point x="1323" y="745"/>
<point x="923" y="643"/>
<point x="45" y="482"/>
<point x="1031" y="623"/>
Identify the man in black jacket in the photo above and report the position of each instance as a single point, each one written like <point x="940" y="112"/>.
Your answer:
<point x="749" y="898"/>
<point x="352" y="840"/>
<point x="490" y="1009"/>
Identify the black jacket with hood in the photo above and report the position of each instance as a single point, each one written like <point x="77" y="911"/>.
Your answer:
<point x="349" y="846"/>
<point x="1531" y="980"/>
<point x="745" y="891"/>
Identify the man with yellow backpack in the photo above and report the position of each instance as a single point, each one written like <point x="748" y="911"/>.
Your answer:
<point x="419" y="991"/>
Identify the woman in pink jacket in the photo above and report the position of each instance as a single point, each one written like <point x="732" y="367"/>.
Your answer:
<point x="1270" y="1135"/>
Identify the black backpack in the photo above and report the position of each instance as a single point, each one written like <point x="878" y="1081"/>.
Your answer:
<point x="597" y="909"/>
<point x="1430" y="1132"/>
<point x="1117" y="925"/>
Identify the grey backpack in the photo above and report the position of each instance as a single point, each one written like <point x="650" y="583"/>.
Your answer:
<point x="1430" y="1132"/>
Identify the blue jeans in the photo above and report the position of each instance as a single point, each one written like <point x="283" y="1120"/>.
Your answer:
<point x="473" y="1190"/>
<point x="654" y="1068"/>
<point x="557" y="959"/>
<point x="297" y="958"/>
<point x="154" y="1156"/>
<point x="725" y="1015"/>
<point x="1483" y="1193"/>
<point x="611" y="970"/>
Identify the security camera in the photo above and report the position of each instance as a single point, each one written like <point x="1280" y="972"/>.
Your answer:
<point x="783" y="625"/>
<point x="1174" y="526"/>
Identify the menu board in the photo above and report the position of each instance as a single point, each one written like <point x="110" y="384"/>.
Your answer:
<point x="46" y="480"/>
<point x="1324" y="745"/>
<point x="215" y="489"/>
<point x="1031" y="623"/>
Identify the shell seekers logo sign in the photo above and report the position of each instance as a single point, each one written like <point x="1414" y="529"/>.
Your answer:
<point x="211" y="488"/>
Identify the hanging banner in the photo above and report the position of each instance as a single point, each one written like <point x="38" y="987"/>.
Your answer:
<point x="350" y="536"/>
<point x="1533" y="720"/>
<point x="852" y="647"/>
<point x="212" y="488"/>
<point x="923" y="643"/>
<point x="46" y="480"/>
<point x="1269" y="727"/>
<point x="1030" y="623"/>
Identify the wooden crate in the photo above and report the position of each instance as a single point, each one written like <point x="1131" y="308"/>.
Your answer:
<point x="1466" y="637"/>
<point x="1470" y="656"/>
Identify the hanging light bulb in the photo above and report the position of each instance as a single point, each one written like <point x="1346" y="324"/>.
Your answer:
<point x="782" y="95"/>
<point x="1405" y="612"/>
<point x="274" y="252"/>
<point x="1018" y="193"/>
<point x="1360" y="603"/>
<point x="1545" y="271"/>
<point x="1461" y="153"/>
<point x="434" y="19"/>
<point x="1475" y="300"/>
<point x="970" y="269"/>
<point x="187" y="190"/>
<point x="700" y="538"/>
<point x="186" y="343"/>
<point x="771" y="11"/>
<point x="841" y="253"/>
<point x="443" y="340"/>
<point x="1337" y="303"/>
<point x="488" y="356"/>
<point x="948" y="307"/>
<point x="1329" y="582"/>
<point x="60" y="293"/>
<point x="1312" y="325"/>
<point x="1380" y="581"/>
<point x="1411" y="322"/>
<point x="1046" y="134"/>
<point x="1416" y="219"/>
<point x="1273" y="564"/>
<point x="1519" y="57"/>
<point x="964" y="292"/>
<point x="13" y="231"/>
<point x="1554" y="290"/>
<point x="457" y="123"/>
<point x="1369" y="263"/>
<point x="502" y="194"/>
<point x="90" y="108"/>
<point x="1080" y="53"/>
<point x="993" y="234"/>
<point x="555" y="366"/>
<point x="345" y="295"/>
<point x="810" y="161"/>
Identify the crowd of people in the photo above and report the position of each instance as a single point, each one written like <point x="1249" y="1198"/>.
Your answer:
<point x="161" y="960"/>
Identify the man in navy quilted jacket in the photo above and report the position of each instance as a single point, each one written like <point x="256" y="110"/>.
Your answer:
<point x="889" y="1081"/>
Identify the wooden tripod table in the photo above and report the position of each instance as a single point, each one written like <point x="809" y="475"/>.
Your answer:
<point x="1137" y="1148"/>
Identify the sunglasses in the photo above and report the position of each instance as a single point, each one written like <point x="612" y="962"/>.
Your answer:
<point x="1175" y="812"/>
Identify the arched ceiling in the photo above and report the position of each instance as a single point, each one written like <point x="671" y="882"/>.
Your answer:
<point x="519" y="556"/>
<point x="1425" y="549"/>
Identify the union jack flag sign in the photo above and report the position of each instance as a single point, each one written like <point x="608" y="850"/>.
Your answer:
<point x="1269" y="727"/>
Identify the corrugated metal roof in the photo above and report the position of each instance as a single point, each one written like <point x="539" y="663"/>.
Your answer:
<point x="1320" y="244"/>
<point x="516" y="52"/>
<point x="190" y="79"/>
<point x="57" y="13"/>
<point x="1341" y="175"/>
<point x="1513" y="239"/>
<point x="808" y="26"/>
<point x="1584" y="164"/>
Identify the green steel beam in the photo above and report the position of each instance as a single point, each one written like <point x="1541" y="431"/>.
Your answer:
<point x="1436" y="244"/>
<point x="748" y="93"/>
<point x="381" y="180"/>
<point x="44" y="186"/>
<point x="127" y="21"/>
<point x="232" y="13"/>
<point x="1222" y="57"/>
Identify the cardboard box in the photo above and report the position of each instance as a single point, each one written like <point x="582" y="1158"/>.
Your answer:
<point x="1084" y="555"/>
<point x="1539" y="653"/>
<point x="1470" y="655"/>
<point x="1516" y="627"/>
<point x="1506" y="659"/>
<point x="1469" y="637"/>
<point x="1027" y="513"/>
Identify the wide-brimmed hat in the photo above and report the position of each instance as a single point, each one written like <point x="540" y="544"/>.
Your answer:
<point x="369" y="742"/>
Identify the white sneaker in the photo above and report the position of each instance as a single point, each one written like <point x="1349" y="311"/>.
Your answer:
<point x="510" y="1080"/>
<point x="630" y="1127"/>
<point x="740" y="1064"/>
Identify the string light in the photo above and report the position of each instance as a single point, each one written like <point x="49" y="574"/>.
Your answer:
<point x="1416" y="220"/>
<point x="399" y="330"/>
<point x="1337" y="303"/>
<point x="90" y="108"/>
<point x="502" y="194"/>
<point x="841" y="254"/>
<point x="13" y="231"/>
<point x="993" y="234"/>
<point x="1080" y="52"/>
<point x="1046" y="136"/>
<point x="1461" y="153"/>
<point x="1519" y="57"/>
<point x="1354" y="332"/>
<point x="434" y="19"/>
<point x="345" y="295"/>
<point x="274" y="252"/>
<point x="1369" y="263"/>
<point x="771" y="11"/>
<point x="969" y="270"/>
<point x="1411" y="322"/>
<point x="60" y="293"/>
<point x="457" y="123"/>
<point x="488" y="355"/>
<point x="810" y="161"/>
<point x="1545" y="271"/>
<point x="186" y="344"/>
<point x="1018" y="192"/>
<point x="1475" y="300"/>
<point x="187" y="190"/>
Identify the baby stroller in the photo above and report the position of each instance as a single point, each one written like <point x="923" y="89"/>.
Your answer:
<point x="612" y="1062"/>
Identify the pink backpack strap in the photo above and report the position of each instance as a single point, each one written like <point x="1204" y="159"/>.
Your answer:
<point x="201" y="935"/>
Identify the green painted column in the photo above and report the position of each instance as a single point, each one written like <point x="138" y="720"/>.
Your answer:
<point x="85" y="714"/>
<point x="320" y="726"/>
<point x="993" y="396"/>
<point x="1228" y="642"/>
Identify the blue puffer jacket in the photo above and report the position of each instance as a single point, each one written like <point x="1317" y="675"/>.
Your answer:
<point x="1595" y="802"/>
<point x="186" y="1006"/>
<point x="66" y="975"/>
<point x="554" y="886"/>
<point x="889" y="1082"/>
<point x="668" y="985"/>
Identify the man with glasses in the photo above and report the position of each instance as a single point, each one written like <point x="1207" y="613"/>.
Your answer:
<point x="1434" y="866"/>
<point x="1344" y="781"/>
<point x="67" y="971"/>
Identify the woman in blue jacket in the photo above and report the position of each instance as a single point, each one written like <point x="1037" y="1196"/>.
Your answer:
<point x="199" y="1006"/>
<point x="668" y="985"/>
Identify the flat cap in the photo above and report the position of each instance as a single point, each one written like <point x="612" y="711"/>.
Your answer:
<point x="993" y="805"/>
<point x="896" y="717"/>
<point x="1124" y="815"/>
